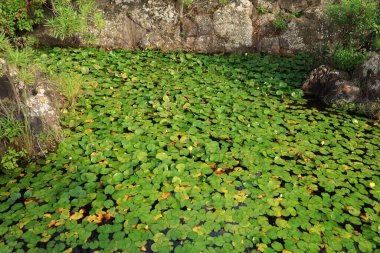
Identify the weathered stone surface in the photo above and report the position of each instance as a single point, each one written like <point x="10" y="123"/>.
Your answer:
<point x="291" y="39"/>
<point x="156" y="15"/>
<point x="232" y="27"/>
<point x="205" y="24"/>
<point x="263" y="26"/>
<point x="189" y="28"/>
<point x="372" y="65"/>
<point x="119" y="32"/>
<point x="271" y="6"/>
<point x="233" y="23"/>
<point x="297" y="5"/>
<point x="269" y="45"/>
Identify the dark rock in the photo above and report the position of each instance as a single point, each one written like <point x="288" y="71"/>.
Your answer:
<point x="336" y="87"/>
<point x="330" y="85"/>
<point x="5" y="88"/>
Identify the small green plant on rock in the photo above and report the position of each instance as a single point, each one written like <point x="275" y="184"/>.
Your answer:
<point x="262" y="9"/>
<point x="280" y="23"/>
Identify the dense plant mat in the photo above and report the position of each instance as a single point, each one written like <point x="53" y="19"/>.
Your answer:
<point x="193" y="153"/>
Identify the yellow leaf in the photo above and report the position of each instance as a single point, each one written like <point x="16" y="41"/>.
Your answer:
<point x="197" y="175"/>
<point x="157" y="217"/>
<point x="261" y="247"/>
<point x="77" y="215"/>
<point x="372" y="184"/>
<point x="89" y="121"/>
<point x="123" y="75"/>
<point x="94" y="218"/>
<point x="47" y="215"/>
<point x="197" y="230"/>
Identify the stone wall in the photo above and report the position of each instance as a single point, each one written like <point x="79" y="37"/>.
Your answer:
<point x="210" y="27"/>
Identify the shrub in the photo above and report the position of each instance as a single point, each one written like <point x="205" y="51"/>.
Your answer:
<point x="70" y="18"/>
<point x="19" y="16"/>
<point x="347" y="59"/>
<point x="359" y="23"/>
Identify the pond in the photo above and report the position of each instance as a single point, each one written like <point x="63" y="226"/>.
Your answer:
<point x="176" y="152"/>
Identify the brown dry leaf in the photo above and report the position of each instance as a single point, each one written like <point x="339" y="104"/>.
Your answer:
<point x="52" y="223"/>
<point x="124" y="75"/>
<point x="29" y="200"/>
<point x="164" y="195"/>
<point x="219" y="171"/>
<point x="61" y="210"/>
<point x="212" y="166"/>
<point x="128" y="196"/>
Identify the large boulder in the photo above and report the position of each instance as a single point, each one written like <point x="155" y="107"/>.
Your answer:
<point x="336" y="87"/>
<point x="233" y="23"/>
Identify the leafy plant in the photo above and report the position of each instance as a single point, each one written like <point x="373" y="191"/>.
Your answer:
<point x="347" y="59"/>
<point x="11" y="158"/>
<point x="262" y="9"/>
<point x="19" y="16"/>
<point x="280" y="23"/>
<point x="10" y="129"/>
